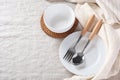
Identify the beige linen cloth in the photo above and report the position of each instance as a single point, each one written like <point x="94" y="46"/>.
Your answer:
<point x="110" y="33"/>
<point x="81" y="1"/>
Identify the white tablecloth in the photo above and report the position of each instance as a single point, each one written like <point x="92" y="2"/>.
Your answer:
<point x="26" y="52"/>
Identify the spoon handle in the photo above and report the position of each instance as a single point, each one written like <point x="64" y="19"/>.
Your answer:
<point x="96" y="29"/>
<point x="88" y="24"/>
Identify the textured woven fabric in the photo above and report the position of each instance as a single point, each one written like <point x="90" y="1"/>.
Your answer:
<point x="26" y="52"/>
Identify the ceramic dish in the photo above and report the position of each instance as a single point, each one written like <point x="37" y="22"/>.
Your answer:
<point x="94" y="55"/>
<point x="59" y="18"/>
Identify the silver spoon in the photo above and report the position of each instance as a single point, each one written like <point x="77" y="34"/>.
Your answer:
<point x="79" y="59"/>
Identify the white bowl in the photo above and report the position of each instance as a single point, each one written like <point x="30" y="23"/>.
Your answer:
<point x="59" y="18"/>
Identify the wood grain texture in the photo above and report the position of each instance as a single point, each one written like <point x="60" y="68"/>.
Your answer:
<point x="95" y="29"/>
<point x="88" y="24"/>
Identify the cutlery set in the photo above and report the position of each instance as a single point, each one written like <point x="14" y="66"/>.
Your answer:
<point x="79" y="59"/>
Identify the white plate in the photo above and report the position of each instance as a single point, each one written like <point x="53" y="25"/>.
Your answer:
<point x="94" y="54"/>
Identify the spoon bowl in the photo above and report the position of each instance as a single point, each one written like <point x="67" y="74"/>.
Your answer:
<point x="78" y="59"/>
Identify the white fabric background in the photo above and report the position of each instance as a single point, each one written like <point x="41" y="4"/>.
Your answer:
<point x="26" y="52"/>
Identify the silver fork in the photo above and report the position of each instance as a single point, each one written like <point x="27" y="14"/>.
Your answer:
<point x="71" y="51"/>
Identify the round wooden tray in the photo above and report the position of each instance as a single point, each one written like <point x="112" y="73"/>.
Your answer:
<point x="57" y="35"/>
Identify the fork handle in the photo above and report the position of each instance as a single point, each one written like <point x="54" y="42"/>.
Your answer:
<point x="96" y="29"/>
<point x="88" y="25"/>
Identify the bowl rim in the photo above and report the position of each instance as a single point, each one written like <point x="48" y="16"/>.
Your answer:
<point x="64" y="29"/>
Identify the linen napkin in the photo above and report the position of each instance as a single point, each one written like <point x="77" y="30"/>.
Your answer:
<point x="74" y="1"/>
<point x="81" y="1"/>
<point x="110" y="36"/>
<point x="111" y="10"/>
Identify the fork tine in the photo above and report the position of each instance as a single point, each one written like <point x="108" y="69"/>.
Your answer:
<point x="66" y="54"/>
<point x="67" y="57"/>
<point x="70" y="58"/>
